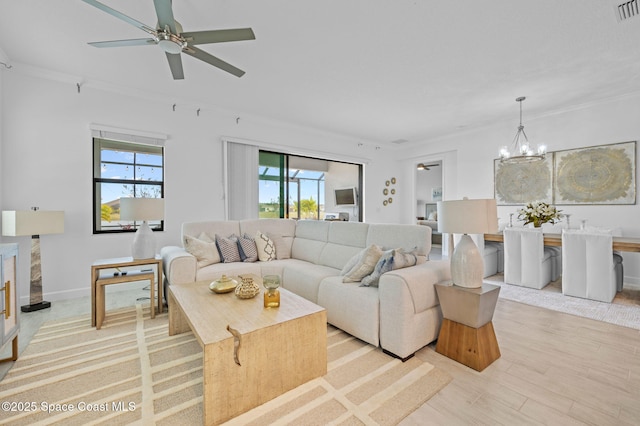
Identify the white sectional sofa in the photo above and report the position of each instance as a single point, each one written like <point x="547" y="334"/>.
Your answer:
<point x="401" y="315"/>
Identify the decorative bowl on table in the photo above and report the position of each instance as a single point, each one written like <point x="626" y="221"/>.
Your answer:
<point x="223" y="285"/>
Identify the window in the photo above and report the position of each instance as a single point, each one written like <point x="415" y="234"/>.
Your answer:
<point x="124" y="169"/>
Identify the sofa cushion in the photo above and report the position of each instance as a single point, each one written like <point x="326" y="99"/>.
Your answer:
<point x="303" y="278"/>
<point x="311" y="238"/>
<point x="265" y="246"/>
<point x="351" y="308"/>
<point x="345" y="240"/>
<point x="362" y="264"/>
<point x="228" y="248"/>
<point x="213" y="272"/>
<point x="211" y="228"/>
<point x="203" y="248"/>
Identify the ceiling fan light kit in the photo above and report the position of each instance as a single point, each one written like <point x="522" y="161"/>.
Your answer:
<point x="422" y="166"/>
<point x="522" y="151"/>
<point x="169" y="37"/>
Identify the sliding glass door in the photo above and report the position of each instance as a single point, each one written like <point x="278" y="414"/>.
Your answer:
<point x="296" y="187"/>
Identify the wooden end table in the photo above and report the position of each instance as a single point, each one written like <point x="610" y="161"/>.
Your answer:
<point x="252" y="354"/>
<point x="467" y="334"/>
<point x="124" y="262"/>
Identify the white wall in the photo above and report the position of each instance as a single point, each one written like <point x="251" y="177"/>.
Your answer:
<point x="47" y="162"/>
<point x="470" y="173"/>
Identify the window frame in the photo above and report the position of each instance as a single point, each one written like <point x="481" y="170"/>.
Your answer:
<point x="99" y="143"/>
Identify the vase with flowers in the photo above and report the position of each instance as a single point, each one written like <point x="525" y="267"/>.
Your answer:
<point x="538" y="213"/>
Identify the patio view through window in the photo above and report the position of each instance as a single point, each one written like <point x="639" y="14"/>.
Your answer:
<point x="124" y="169"/>
<point x="303" y="182"/>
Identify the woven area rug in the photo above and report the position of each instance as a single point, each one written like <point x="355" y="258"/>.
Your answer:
<point x="625" y="309"/>
<point x="132" y="371"/>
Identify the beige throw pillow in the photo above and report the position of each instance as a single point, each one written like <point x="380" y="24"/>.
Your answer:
<point x="203" y="248"/>
<point x="266" y="247"/>
<point x="283" y="250"/>
<point x="365" y="262"/>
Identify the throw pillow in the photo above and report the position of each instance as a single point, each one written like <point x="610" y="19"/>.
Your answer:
<point x="383" y="265"/>
<point x="228" y="248"/>
<point x="265" y="246"/>
<point x="203" y="248"/>
<point x="283" y="250"/>
<point x="365" y="263"/>
<point x="248" y="250"/>
<point x="403" y="259"/>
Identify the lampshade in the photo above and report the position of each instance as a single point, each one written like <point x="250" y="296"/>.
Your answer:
<point x="141" y="208"/>
<point x="467" y="217"/>
<point x="16" y="223"/>
<point x="34" y="222"/>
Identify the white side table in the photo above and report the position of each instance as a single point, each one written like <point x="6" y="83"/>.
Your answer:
<point x="467" y="334"/>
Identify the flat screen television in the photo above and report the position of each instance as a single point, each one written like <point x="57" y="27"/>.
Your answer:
<point x="346" y="196"/>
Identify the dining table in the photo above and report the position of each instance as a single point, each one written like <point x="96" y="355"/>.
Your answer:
<point x="629" y="244"/>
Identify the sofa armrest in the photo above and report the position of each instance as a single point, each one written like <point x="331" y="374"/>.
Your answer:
<point x="179" y="266"/>
<point x="410" y="313"/>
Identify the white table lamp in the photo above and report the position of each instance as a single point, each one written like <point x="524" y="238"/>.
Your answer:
<point x="467" y="217"/>
<point x="33" y="222"/>
<point x="144" y="209"/>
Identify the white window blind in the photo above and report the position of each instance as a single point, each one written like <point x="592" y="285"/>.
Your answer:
<point x="125" y="135"/>
<point x="242" y="181"/>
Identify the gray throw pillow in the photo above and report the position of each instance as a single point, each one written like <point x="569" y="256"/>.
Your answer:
<point x="228" y="248"/>
<point x="248" y="249"/>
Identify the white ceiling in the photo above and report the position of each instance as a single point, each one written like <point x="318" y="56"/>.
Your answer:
<point x="379" y="70"/>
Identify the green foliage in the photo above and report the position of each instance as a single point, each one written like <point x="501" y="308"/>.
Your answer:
<point x="309" y="208"/>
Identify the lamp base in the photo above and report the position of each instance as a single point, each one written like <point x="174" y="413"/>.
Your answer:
<point x="467" y="267"/>
<point x="35" y="306"/>
<point x="144" y="243"/>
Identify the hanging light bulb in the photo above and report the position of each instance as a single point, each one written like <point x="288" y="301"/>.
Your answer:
<point x="522" y="151"/>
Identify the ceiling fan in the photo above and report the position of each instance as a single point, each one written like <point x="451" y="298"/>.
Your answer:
<point x="169" y="36"/>
<point x="422" y="166"/>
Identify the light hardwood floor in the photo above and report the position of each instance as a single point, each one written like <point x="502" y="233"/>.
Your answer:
<point x="555" y="369"/>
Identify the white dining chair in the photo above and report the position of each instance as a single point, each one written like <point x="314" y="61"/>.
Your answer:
<point x="526" y="261"/>
<point x="588" y="265"/>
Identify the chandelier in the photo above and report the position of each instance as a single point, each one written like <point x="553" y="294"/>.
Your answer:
<point x="522" y="151"/>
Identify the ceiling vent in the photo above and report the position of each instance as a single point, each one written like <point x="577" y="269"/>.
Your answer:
<point x="627" y="10"/>
<point x="399" y="141"/>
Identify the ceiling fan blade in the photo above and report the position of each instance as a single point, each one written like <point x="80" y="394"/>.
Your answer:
<point x="121" y="16"/>
<point x="210" y="59"/>
<point x="124" y="43"/>
<point x="165" y="15"/>
<point x="175" y="64"/>
<point x="219" y="36"/>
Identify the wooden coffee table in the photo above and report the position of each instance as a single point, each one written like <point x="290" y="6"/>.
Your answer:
<point x="251" y="354"/>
